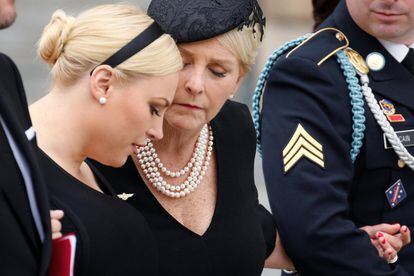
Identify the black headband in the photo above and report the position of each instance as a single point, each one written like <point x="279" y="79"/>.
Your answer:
<point x="149" y="35"/>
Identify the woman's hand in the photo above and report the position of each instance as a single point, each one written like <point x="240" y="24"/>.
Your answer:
<point x="278" y="259"/>
<point x="55" y="217"/>
<point x="388" y="239"/>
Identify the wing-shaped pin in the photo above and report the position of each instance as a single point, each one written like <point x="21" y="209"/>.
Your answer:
<point x="125" y="196"/>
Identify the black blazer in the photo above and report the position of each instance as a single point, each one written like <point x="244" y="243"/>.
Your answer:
<point x="21" y="251"/>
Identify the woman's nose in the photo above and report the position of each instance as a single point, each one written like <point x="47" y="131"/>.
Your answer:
<point x="155" y="133"/>
<point x="195" y="83"/>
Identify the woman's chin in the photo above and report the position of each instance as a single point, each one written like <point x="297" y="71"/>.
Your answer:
<point x="114" y="162"/>
<point x="185" y="123"/>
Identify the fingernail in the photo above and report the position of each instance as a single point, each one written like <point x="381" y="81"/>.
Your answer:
<point x="58" y="212"/>
<point x="379" y="235"/>
<point x="404" y="229"/>
<point x="389" y="253"/>
<point x="384" y="241"/>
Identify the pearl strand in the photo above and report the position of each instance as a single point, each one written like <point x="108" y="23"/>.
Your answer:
<point x="152" y="166"/>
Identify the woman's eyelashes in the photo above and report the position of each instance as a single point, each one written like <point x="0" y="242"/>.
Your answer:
<point x="155" y="111"/>
<point x="218" y="74"/>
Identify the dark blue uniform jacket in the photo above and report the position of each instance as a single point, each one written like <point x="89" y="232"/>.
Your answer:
<point x="321" y="199"/>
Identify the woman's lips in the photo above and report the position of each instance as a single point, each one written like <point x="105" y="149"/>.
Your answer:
<point x="190" y="106"/>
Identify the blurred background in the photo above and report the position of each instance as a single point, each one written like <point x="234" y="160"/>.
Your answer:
<point x="286" y="20"/>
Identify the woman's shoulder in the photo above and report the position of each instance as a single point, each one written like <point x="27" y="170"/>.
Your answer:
<point x="235" y="120"/>
<point x="234" y="110"/>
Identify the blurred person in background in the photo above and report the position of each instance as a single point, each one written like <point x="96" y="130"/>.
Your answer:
<point x="322" y="9"/>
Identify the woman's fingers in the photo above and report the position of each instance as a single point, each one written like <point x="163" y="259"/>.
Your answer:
<point x="389" y="252"/>
<point x="395" y="241"/>
<point x="383" y="227"/>
<point x="376" y="244"/>
<point x="55" y="217"/>
<point x="56" y="236"/>
<point x="405" y="235"/>
<point x="56" y="214"/>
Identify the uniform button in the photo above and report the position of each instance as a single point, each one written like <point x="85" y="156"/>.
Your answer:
<point x="340" y="36"/>
<point x="401" y="163"/>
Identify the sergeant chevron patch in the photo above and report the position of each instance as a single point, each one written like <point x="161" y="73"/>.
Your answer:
<point x="302" y="144"/>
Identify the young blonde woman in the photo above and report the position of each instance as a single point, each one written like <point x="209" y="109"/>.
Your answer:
<point x="114" y="73"/>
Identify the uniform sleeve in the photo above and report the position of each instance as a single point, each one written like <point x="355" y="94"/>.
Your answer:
<point x="306" y="136"/>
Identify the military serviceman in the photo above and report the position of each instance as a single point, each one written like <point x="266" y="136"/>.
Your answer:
<point x="328" y="167"/>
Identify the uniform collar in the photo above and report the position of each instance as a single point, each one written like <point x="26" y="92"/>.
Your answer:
<point x="398" y="51"/>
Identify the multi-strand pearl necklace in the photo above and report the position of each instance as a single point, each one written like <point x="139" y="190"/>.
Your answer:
<point x="196" y="167"/>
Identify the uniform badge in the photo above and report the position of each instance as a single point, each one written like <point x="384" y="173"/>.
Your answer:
<point x="357" y="61"/>
<point x="375" y="61"/>
<point x="389" y="111"/>
<point x="124" y="196"/>
<point x="396" y="193"/>
<point x="302" y="144"/>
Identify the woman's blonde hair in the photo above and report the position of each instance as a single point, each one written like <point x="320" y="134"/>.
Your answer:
<point x="244" y="44"/>
<point x="73" y="46"/>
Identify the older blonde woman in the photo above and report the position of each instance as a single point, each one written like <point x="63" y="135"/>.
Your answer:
<point x="114" y="73"/>
<point x="196" y="186"/>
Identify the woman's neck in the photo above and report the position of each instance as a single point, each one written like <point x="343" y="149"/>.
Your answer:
<point x="59" y="133"/>
<point x="177" y="145"/>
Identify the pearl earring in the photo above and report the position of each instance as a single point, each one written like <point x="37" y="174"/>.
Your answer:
<point x="102" y="100"/>
<point x="231" y="96"/>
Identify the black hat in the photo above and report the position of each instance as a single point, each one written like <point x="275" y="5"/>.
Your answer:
<point x="195" y="20"/>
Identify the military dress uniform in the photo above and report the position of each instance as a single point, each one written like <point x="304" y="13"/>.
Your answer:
<point x="318" y="195"/>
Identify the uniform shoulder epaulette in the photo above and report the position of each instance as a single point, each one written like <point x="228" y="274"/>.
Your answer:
<point x="321" y="45"/>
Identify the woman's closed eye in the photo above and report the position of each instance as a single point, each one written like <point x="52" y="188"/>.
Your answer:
<point x="218" y="73"/>
<point x="155" y="111"/>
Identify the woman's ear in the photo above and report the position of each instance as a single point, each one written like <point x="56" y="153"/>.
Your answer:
<point x="101" y="80"/>
<point x="239" y="82"/>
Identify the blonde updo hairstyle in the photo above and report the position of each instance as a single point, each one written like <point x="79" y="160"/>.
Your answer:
<point x="244" y="44"/>
<point x="74" y="46"/>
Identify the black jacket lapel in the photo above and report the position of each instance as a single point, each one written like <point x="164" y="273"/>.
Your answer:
<point x="17" y="125"/>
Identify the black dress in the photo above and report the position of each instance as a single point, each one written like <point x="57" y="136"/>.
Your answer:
<point x="241" y="234"/>
<point x="112" y="237"/>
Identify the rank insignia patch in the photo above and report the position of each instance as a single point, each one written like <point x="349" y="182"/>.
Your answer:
<point x="396" y="193"/>
<point x="302" y="144"/>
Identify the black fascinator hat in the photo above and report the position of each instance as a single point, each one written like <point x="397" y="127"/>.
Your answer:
<point x="195" y="20"/>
